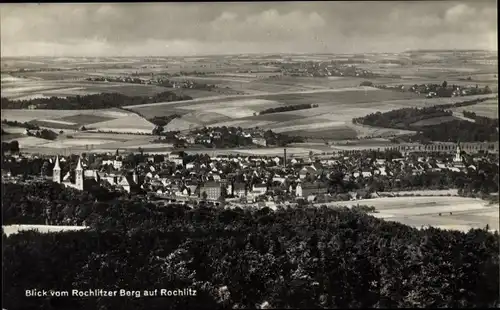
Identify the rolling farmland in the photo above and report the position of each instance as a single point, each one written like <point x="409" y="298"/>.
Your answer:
<point x="315" y="122"/>
<point x="237" y="100"/>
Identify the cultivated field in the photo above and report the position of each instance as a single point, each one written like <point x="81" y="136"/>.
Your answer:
<point x="488" y="108"/>
<point x="331" y="120"/>
<point x="28" y="88"/>
<point x="424" y="211"/>
<point x="434" y="121"/>
<point x="244" y="88"/>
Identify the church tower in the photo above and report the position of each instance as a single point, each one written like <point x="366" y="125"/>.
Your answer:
<point x="135" y="177"/>
<point x="458" y="154"/>
<point x="56" y="172"/>
<point x="79" y="175"/>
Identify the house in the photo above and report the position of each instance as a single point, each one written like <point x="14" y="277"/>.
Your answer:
<point x="316" y="188"/>
<point x="259" y="189"/>
<point x="212" y="189"/>
<point x="298" y="190"/>
<point x="366" y="174"/>
<point x="305" y="171"/>
<point x="176" y="161"/>
<point x="127" y="183"/>
<point x="216" y="177"/>
<point x="259" y="141"/>
<point x="239" y="189"/>
<point x="117" y="163"/>
<point x="193" y="187"/>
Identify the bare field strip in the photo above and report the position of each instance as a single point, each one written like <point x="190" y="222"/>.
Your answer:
<point x="433" y="121"/>
<point x="150" y="146"/>
<point x="423" y="211"/>
<point x="241" y="103"/>
<point x="403" y="202"/>
<point x="53" y="125"/>
<point x="335" y="133"/>
<point x="22" y="115"/>
<point x="106" y="136"/>
<point x="132" y="123"/>
<point x="310" y="126"/>
<point x="14" y="229"/>
<point x="234" y="112"/>
<point x="205" y="117"/>
<point x="275" y="117"/>
<point x="243" y="123"/>
<point x="13" y="130"/>
<point x="452" y="192"/>
<point x="72" y="88"/>
<point x="179" y="124"/>
<point x="61" y="144"/>
<point x="193" y="93"/>
<point x="214" y="80"/>
<point x="253" y="96"/>
<point x="30" y="142"/>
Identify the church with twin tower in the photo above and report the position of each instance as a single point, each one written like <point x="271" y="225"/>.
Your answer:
<point x="56" y="175"/>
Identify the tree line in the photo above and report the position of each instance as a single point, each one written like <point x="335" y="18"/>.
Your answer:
<point x="449" y="131"/>
<point x="481" y="119"/>
<point x="246" y="258"/>
<point x="89" y="102"/>
<point x="288" y="108"/>
<point x="26" y="125"/>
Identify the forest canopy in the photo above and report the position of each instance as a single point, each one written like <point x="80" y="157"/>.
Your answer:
<point x="236" y="258"/>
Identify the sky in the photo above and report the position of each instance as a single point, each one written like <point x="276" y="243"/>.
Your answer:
<point x="210" y="28"/>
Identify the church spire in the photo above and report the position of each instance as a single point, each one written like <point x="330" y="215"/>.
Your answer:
<point x="56" y="165"/>
<point x="79" y="165"/>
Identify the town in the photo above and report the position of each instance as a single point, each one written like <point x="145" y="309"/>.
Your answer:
<point x="270" y="181"/>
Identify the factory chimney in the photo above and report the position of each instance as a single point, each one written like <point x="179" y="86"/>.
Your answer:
<point x="284" y="158"/>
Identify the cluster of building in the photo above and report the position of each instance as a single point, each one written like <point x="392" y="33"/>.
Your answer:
<point x="448" y="147"/>
<point x="324" y="69"/>
<point x="436" y="90"/>
<point x="154" y="81"/>
<point x="213" y="135"/>
<point x="245" y="179"/>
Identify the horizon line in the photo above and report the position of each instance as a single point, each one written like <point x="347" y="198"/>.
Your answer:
<point x="256" y="53"/>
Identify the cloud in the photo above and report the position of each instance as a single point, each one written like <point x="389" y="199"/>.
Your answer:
<point x="158" y="28"/>
<point x="269" y="25"/>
